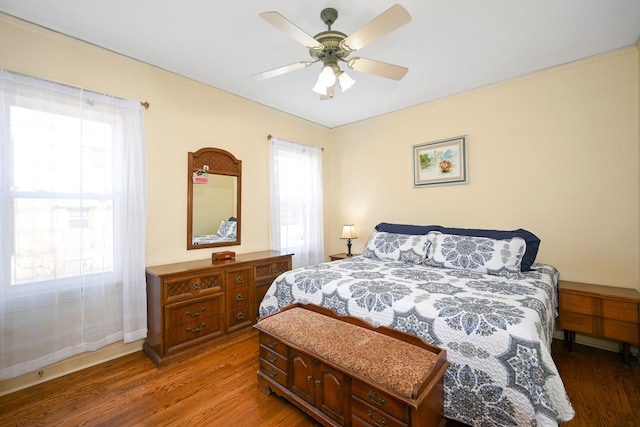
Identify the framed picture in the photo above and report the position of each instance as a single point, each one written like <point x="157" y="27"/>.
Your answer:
<point x="440" y="162"/>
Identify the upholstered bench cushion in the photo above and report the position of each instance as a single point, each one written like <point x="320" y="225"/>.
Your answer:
<point x="393" y="364"/>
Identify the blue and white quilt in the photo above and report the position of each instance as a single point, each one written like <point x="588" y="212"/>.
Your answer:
<point x="497" y="331"/>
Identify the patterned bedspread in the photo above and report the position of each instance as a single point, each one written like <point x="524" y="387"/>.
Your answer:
<point x="497" y="331"/>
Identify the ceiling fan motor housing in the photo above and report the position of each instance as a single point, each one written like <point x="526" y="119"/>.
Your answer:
<point x="331" y="41"/>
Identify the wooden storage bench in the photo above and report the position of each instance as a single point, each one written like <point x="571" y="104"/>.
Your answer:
<point x="344" y="372"/>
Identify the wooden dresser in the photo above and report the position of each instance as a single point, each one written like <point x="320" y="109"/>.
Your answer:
<point x="600" y="311"/>
<point x="191" y="304"/>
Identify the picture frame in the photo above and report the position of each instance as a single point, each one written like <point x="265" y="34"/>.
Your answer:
<point x="441" y="162"/>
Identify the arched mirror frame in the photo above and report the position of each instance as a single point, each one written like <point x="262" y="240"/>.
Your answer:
<point x="219" y="162"/>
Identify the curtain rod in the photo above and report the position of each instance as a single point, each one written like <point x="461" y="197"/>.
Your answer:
<point x="145" y="104"/>
<point x="269" y="136"/>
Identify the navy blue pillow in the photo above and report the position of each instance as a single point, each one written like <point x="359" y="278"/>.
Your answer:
<point x="532" y="241"/>
<point x="406" y="229"/>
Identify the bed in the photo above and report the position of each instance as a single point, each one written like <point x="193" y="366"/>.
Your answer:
<point x="226" y="233"/>
<point x="481" y="297"/>
<point x="203" y="239"/>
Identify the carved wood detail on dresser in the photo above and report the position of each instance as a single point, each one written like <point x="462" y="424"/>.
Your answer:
<point x="194" y="303"/>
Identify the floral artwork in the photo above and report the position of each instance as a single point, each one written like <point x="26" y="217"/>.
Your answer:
<point x="440" y="162"/>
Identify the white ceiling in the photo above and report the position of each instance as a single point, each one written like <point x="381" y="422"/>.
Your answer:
<point x="450" y="46"/>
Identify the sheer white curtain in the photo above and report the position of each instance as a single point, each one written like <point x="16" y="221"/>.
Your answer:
<point x="296" y="201"/>
<point x="72" y="222"/>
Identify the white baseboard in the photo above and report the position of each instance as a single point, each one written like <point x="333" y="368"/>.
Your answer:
<point x="67" y="366"/>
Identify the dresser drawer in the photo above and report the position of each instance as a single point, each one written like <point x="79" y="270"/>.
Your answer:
<point x="269" y="271"/>
<point x="612" y="329"/>
<point x="186" y="328"/>
<point x="622" y="331"/>
<point x="193" y="311"/>
<point x="238" y="318"/>
<point x="238" y="278"/>
<point x="238" y="297"/>
<point x="379" y="400"/>
<point x="626" y="311"/>
<point x="185" y="287"/>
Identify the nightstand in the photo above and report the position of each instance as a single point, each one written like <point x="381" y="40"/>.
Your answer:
<point x="343" y="255"/>
<point x="600" y="311"/>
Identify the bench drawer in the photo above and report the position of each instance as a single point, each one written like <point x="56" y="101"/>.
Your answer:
<point x="276" y="359"/>
<point x="363" y="414"/>
<point x="380" y="400"/>
<point x="274" y="344"/>
<point x="274" y="373"/>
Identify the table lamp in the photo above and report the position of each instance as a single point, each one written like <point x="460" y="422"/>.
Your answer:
<point x="349" y="232"/>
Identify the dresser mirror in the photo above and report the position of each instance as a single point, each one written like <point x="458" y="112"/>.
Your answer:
<point x="213" y="202"/>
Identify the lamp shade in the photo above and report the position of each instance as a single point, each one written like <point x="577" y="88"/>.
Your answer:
<point x="345" y="81"/>
<point x="348" y="232"/>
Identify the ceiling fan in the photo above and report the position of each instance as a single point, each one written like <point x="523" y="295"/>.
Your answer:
<point x="331" y="47"/>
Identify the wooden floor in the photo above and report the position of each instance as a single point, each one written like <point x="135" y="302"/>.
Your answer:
<point x="218" y="388"/>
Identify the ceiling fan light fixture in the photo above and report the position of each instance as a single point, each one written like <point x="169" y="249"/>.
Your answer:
<point x="320" y="88"/>
<point x="345" y="81"/>
<point x="327" y="78"/>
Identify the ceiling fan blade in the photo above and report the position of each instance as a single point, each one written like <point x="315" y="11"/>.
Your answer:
<point x="391" y="19"/>
<point x="279" y="21"/>
<point x="282" y="70"/>
<point x="378" y="68"/>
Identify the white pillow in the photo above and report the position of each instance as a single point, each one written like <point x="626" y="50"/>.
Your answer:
<point x="397" y="247"/>
<point x="223" y="229"/>
<point x="479" y="254"/>
<point x="231" y="229"/>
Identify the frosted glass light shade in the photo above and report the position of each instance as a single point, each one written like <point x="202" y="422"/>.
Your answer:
<point x="345" y="81"/>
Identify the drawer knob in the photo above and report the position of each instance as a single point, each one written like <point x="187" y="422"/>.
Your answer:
<point x="239" y="280"/>
<point x="198" y="329"/>
<point x="376" y="398"/>
<point x="239" y="316"/>
<point x="239" y="297"/>
<point x="196" y="286"/>
<point x="271" y="343"/>
<point x="377" y="419"/>
<point x="309" y="378"/>
<point x="318" y="382"/>
<point x="195" y="314"/>
<point x="272" y="373"/>
<point x="272" y="357"/>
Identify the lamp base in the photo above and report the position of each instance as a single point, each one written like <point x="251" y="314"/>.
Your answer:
<point x="349" y="247"/>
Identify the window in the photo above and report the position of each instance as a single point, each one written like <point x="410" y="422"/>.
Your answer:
<point x="72" y="222"/>
<point x="296" y="201"/>
<point x="60" y="196"/>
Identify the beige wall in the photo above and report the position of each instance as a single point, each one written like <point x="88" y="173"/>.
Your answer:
<point x="555" y="152"/>
<point x="184" y="116"/>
